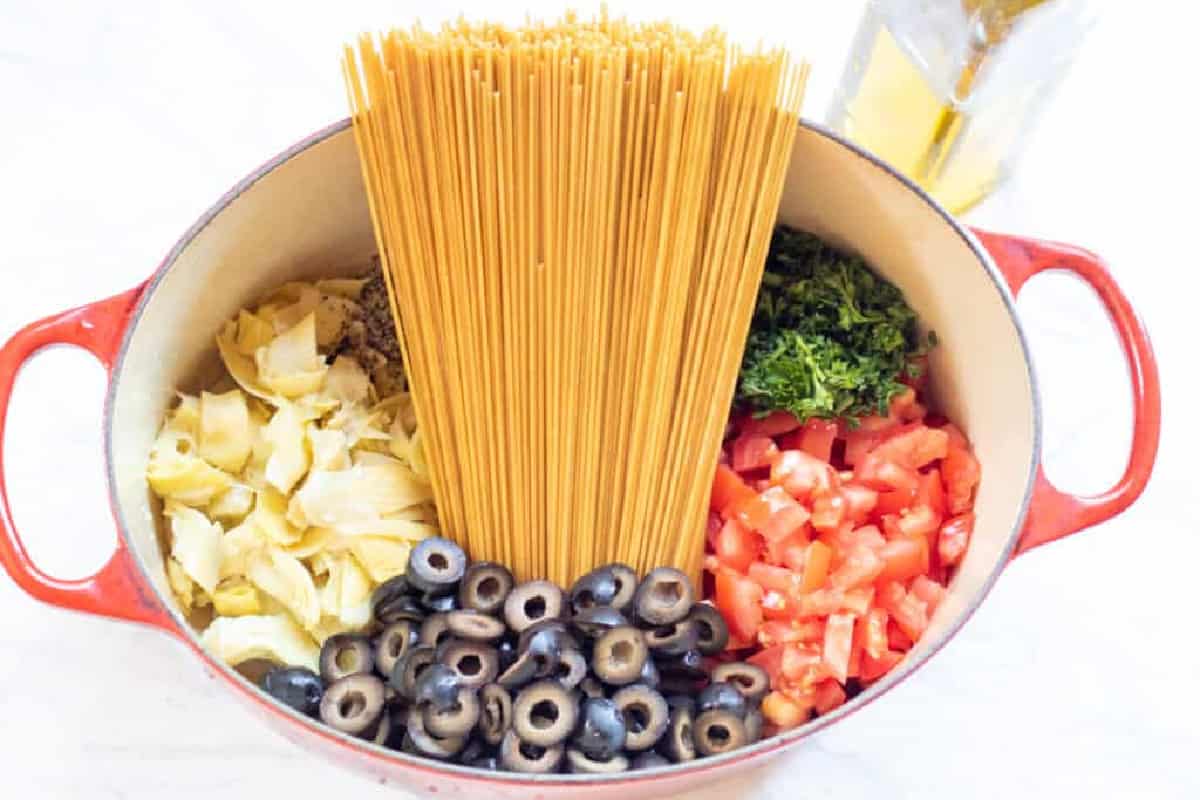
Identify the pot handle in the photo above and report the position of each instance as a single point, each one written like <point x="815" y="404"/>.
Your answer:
<point x="118" y="589"/>
<point x="1053" y="513"/>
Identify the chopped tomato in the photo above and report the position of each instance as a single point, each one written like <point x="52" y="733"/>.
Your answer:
<point x="777" y="606"/>
<point x="858" y="600"/>
<point x="928" y="591"/>
<point x="904" y="557"/>
<point x="913" y="447"/>
<point x="712" y="528"/>
<point x="728" y="491"/>
<point x="918" y="521"/>
<point x="957" y="439"/>
<point x="859" y="442"/>
<point x="802" y="474"/>
<point x="819" y="603"/>
<point x="875" y="668"/>
<point x="780" y="709"/>
<point x="828" y="695"/>
<point x="756" y="512"/>
<point x="930" y="493"/>
<point x="771" y="578"/>
<point x="788" y="549"/>
<point x="960" y="473"/>
<point x="753" y="452"/>
<point x="871" y="630"/>
<point x="739" y="600"/>
<point x="769" y="660"/>
<point x="860" y="501"/>
<point x="817" y="437"/>
<point x="735" y="546"/>
<point x="897" y="500"/>
<point x="803" y="664"/>
<point x="787" y="524"/>
<point x="775" y="632"/>
<point x="907" y="610"/>
<point x="861" y="566"/>
<point x="954" y="536"/>
<point x="816" y="566"/>
<point x="773" y="424"/>
<point x="828" y="511"/>
<point x="876" y="472"/>
<point x="897" y="638"/>
<point x="839" y="635"/>
<point x="867" y="536"/>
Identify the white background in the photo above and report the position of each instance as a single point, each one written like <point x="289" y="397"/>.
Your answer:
<point x="1080" y="674"/>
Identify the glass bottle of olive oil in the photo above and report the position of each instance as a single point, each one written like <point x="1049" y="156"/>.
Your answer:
<point x="948" y="91"/>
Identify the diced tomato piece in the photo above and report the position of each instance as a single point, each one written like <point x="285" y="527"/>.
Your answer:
<point x="817" y="437"/>
<point x="930" y="493"/>
<point x="871" y="630"/>
<point x="789" y="552"/>
<point x="897" y="500"/>
<point x="816" y="566"/>
<point x="897" y="638"/>
<point x="828" y="695"/>
<point x="960" y="473"/>
<point x="828" y="511"/>
<point x="787" y="524"/>
<point x="777" y="606"/>
<point x="773" y="424"/>
<point x="867" y="536"/>
<point x="771" y="578"/>
<point x="739" y="601"/>
<point x="769" y="659"/>
<point x="803" y="666"/>
<point x="954" y="537"/>
<point x="860" y="501"/>
<point x="928" y="591"/>
<point x="859" y="442"/>
<point x="913" y="447"/>
<point x="875" y="668"/>
<point x="738" y="643"/>
<point x="758" y="510"/>
<point x="904" y="557"/>
<point x="775" y="632"/>
<point x="839" y="635"/>
<point x="856" y="651"/>
<point x="918" y="521"/>
<point x="735" y="546"/>
<point x="783" y="711"/>
<point x="876" y="472"/>
<point x="906" y="609"/>
<point x="820" y="603"/>
<point x="728" y="491"/>
<point x="802" y="474"/>
<point x="858" y="601"/>
<point x="957" y="439"/>
<point x="752" y="452"/>
<point x="713" y="527"/>
<point x="861" y="566"/>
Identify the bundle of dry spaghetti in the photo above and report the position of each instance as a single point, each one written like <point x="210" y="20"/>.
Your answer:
<point x="573" y="219"/>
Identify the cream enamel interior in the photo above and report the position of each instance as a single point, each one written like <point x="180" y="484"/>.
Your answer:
<point x="307" y="216"/>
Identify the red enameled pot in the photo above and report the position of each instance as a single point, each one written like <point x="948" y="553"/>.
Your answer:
<point x="304" y="214"/>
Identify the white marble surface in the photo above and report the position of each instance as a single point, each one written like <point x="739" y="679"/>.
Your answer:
<point x="1079" y="675"/>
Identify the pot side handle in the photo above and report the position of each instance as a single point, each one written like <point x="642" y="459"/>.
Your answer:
<point x="118" y="589"/>
<point x="1053" y="513"/>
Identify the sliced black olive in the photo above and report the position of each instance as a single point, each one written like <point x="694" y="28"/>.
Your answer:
<point x="619" y="655"/>
<point x="682" y="701"/>
<point x="664" y="596"/>
<point x="436" y="565"/>
<point x="711" y="627"/>
<point x="646" y="716"/>
<point x="719" y="732"/>
<point x="398" y="608"/>
<point x="484" y="587"/>
<point x="436" y="629"/>
<point x="425" y="743"/>
<point x="495" y="713"/>
<point x="353" y="705"/>
<point x="580" y="763"/>
<point x="601" y="732"/>
<point x="649" y="676"/>
<point x="388" y="733"/>
<point x="754" y="725"/>
<point x="590" y="687"/>
<point x="546" y="641"/>
<point x="673" y="639"/>
<point x="521" y="672"/>
<point x="532" y="602"/>
<point x="597" y="588"/>
<point x="649" y="760"/>
<point x="679" y="744"/>
<point x="394" y="641"/>
<point x="475" y="626"/>
<point x="437" y="685"/>
<point x="572" y="668"/>
<point x="409" y="668"/>
<point x="389" y="590"/>
<point x="297" y="687"/>
<point x="627" y="583"/>
<point x="722" y="697"/>
<point x="687" y="666"/>
<point x="519" y="756"/>
<point x="456" y="720"/>
<point x="544" y="713"/>
<point x="752" y="681"/>
<point x="491" y="763"/>
<point x="439" y="603"/>
<point x="475" y="663"/>
<point x="346" y="654"/>
<point x="594" y="622"/>
<point x="474" y="750"/>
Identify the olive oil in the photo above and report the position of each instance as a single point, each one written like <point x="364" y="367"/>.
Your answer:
<point x="948" y="91"/>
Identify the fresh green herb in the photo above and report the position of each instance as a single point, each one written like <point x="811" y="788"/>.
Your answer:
<point x="829" y="338"/>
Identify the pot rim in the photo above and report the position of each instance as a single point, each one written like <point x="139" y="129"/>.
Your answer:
<point x="757" y="751"/>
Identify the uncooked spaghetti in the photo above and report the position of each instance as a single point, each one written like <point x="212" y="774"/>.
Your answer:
<point x="573" y="219"/>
